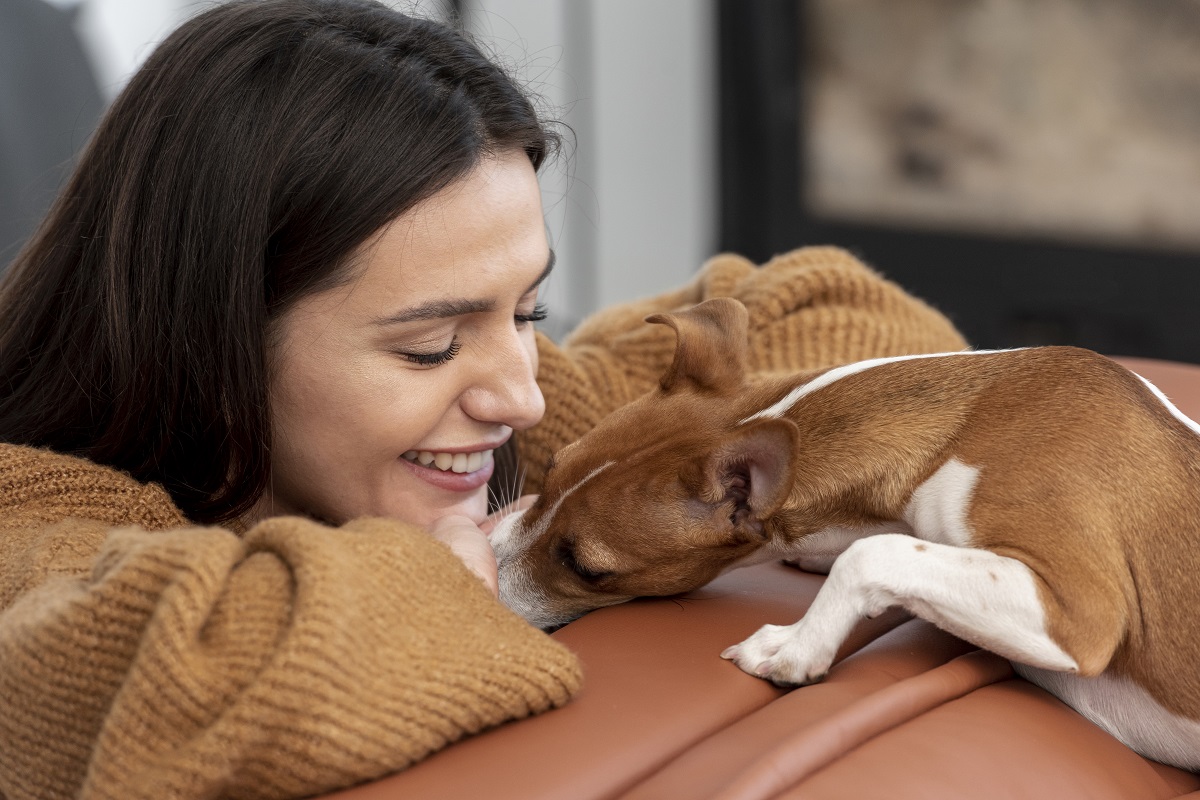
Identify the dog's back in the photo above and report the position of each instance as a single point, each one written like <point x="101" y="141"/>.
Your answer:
<point x="1082" y="469"/>
<point x="1076" y="478"/>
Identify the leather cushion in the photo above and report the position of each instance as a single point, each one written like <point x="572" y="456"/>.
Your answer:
<point x="907" y="712"/>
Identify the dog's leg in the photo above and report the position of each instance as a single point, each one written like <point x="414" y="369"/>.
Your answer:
<point x="818" y="551"/>
<point x="989" y="600"/>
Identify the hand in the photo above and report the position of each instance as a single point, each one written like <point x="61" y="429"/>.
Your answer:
<point x="470" y="544"/>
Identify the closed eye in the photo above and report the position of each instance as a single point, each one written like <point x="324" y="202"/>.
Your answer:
<point x="434" y="359"/>
<point x="537" y="315"/>
<point x="566" y="556"/>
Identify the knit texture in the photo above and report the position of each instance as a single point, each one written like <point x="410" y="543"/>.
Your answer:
<point x="141" y="658"/>
<point x="811" y="308"/>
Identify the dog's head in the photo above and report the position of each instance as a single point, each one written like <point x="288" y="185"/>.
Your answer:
<point x="660" y="497"/>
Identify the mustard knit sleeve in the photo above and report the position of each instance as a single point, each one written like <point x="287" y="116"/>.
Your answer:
<point x="291" y="661"/>
<point x="810" y="308"/>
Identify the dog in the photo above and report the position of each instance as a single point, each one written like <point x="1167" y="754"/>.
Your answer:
<point x="1041" y="503"/>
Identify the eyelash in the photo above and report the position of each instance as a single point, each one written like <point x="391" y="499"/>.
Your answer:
<point x="436" y="359"/>
<point x="537" y="315"/>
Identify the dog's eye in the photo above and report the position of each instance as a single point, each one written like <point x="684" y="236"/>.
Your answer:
<point x="566" y="555"/>
<point x="590" y="576"/>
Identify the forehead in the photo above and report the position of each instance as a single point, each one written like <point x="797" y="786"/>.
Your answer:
<point x="481" y="235"/>
<point x="652" y="427"/>
<point x="605" y="473"/>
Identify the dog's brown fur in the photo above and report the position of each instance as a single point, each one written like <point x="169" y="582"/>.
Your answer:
<point x="1086" y="478"/>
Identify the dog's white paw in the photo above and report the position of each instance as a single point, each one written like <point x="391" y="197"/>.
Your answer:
<point x="786" y="655"/>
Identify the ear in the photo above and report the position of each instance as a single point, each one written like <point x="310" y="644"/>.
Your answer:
<point x="710" y="351"/>
<point x="753" y="467"/>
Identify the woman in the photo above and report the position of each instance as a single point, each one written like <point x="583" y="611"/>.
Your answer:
<point x="256" y="368"/>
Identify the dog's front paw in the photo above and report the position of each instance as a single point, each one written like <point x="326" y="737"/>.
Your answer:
<point x="782" y="654"/>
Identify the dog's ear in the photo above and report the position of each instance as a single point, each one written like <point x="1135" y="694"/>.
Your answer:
<point x="752" y="466"/>
<point x="710" y="350"/>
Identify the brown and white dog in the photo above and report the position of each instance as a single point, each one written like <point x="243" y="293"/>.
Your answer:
<point x="1041" y="503"/>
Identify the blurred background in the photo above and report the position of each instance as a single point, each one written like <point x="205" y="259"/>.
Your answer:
<point x="1030" y="167"/>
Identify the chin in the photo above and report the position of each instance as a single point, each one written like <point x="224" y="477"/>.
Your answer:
<point x="473" y="506"/>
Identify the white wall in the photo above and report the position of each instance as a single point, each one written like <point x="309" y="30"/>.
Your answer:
<point x="632" y="211"/>
<point x="117" y="35"/>
<point x="631" y="206"/>
<point x="653" y="142"/>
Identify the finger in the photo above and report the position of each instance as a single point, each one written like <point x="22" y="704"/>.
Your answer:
<point x="488" y="572"/>
<point x="470" y="545"/>
<point x="476" y="553"/>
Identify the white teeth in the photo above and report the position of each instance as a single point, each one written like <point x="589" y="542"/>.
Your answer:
<point x="451" y="462"/>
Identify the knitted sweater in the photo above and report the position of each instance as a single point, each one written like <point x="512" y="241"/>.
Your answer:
<point x="811" y="308"/>
<point x="144" y="657"/>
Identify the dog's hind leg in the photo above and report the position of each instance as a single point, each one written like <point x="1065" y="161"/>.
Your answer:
<point x="989" y="600"/>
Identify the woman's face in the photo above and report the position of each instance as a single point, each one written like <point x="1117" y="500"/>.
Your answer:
<point x="390" y="393"/>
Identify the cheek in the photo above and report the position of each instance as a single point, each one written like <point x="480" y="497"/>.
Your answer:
<point x="317" y="396"/>
<point x="351" y="411"/>
<point x="530" y="341"/>
<point x="303" y="398"/>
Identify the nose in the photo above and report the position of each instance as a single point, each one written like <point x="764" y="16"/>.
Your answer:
<point x="506" y="390"/>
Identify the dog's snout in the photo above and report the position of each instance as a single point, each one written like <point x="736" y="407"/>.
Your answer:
<point x="503" y="537"/>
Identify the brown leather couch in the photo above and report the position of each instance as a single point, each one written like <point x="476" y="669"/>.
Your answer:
<point x="907" y="712"/>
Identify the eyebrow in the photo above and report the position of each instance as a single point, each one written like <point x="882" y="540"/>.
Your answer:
<point x="442" y="309"/>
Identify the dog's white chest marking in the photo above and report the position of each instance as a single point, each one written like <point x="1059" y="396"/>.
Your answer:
<point x="1127" y="711"/>
<point x="938" y="508"/>
<point x="937" y="512"/>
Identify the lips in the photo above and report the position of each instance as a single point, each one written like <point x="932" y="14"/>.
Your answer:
<point x="457" y="472"/>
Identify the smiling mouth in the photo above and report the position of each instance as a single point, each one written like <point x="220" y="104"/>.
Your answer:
<point x="450" y="462"/>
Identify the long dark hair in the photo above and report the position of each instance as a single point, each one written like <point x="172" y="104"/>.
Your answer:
<point x="258" y="146"/>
